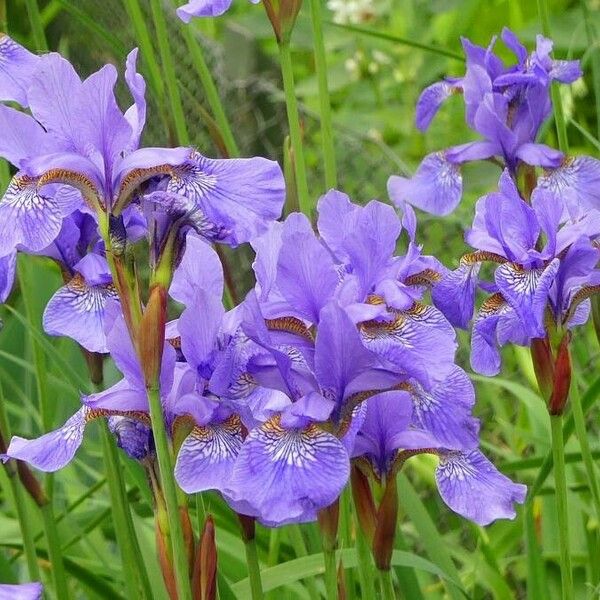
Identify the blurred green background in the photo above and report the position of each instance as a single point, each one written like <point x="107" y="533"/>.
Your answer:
<point x="375" y="78"/>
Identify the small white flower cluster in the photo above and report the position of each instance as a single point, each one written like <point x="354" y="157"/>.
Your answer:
<point x="353" y="12"/>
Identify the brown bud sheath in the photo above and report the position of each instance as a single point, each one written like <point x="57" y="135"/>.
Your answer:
<point x="163" y="548"/>
<point x="543" y="365"/>
<point x="151" y="335"/>
<point x="188" y="535"/>
<point x="363" y="502"/>
<point x="204" y="581"/>
<point x="328" y="522"/>
<point x="282" y="14"/>
<point x="248" y="527"/>
<point x="341" y="578"/>
<point x="385" y="532"/>
<point x="562" y="377"/>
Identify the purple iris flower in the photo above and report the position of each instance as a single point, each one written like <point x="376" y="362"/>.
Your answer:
<point x="546" y="270"/>
<point x="54" y="450"/>
<point x="506" y="105"/>
<point x="353" y="261"/>
<point x="205" y="8"/>
<point x="467" y="481"/>
<point x="23" y="591"/>
<point x="78" y="138"/>
<point x="305" y="431"/>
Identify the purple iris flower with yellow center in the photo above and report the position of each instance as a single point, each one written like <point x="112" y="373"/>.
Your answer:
<point x="545" y="273"/>
<point x="393" y="431"/>
<point x="205" y="8"/>
<point x="78" y="139"/>
<point x="505" y="105"/>
<point x="353" y="261"/>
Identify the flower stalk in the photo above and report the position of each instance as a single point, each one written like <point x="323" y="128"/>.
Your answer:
<point x="328" y="523"/>
<point x="248" y="532"/>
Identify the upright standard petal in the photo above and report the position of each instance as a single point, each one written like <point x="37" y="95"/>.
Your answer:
<point x="27" y="216"/>
<point x="53" y="450"/>
<point x="430" y="100"/>
<point x="454" y="294"/>
<point x="240" y="196"/>
<point x="287" y="476"/>
<point x="471" y="486"/>
<point x="436" y="187"/>
<point x="199" y="270"/>
<point x="306" y="274"/>
<point x="17" y="66"/>
<point x="22" y="136"/>
<point x="207" y="456"/>
<point x="136" y="113"/>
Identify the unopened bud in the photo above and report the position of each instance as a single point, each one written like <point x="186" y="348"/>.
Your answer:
<point x="363" y="502"/>
<point x="328" y="522"/>
<point x="282" y="14"/>
<point x="151" y="337"/>
<point x="385" y="531"/>
<point x="543" y="365"/>
<point x="562" y="377"/>
<point x="248" y="527"/>
<point x="204" y="582"/>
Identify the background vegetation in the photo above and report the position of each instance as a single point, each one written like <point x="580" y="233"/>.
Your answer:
<point x="375" y="77"/>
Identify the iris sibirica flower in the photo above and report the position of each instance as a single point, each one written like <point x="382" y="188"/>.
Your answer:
<point x="205" y="8"/>
<point x="545" y="272"/>
<point x="23" y="591"/>
<point x="506" y="106"/>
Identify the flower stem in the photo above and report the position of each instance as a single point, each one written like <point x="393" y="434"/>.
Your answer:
<point x="134" y="572"/>
<point x="330" y="573"/>
<point x="166" y="58"/>
<point x="586" y="453"/>
<point x="253" y="569"/>
<point x="560" y="480"/>
<point x="294" y="125"/>
<point x="559" y="115"/>
<point x="386" y="585"/>
<point x="165" y="464"/>
<point x="18" y="498"/>
<point x="324" y="99"/>
<point x="365" y="565"/>
<point x="54" y="552"/>
<point x="37" y="28"/>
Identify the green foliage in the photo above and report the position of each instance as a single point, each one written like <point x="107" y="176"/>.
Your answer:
<point x="376" y="70"/>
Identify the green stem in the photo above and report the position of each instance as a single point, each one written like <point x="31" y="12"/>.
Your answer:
<point x="210" y="89"/>
<point x="300" y="549"/>
<point x="253" y="569"/>
<point x="324" y="99"/>
<point x="37" y="29"/>
<point x="586" y="453"/>
<point x="19" y="500"/>
<point x="330" y="573"/>
<point x="134" y="571"/>
<point x="560" y="482"/>
<point x="54" y="552"/>
<point x="294" y="125"/>
<point x="166" y="58"/>
<point x="559" y="115"/>
<point x="365" y="565"/>
<point x="386" y="585"/>
<point x="165" y="464"/>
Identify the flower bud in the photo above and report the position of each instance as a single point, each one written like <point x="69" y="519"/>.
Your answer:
<point x="328" y="522"/>
<point x="562" y="377"/>
<point x="363" y="502"/>
<point x="385" y="531"/>
<point x="151" y="335"/>
<point x="204" y="582"/>
<point x="282" y="14"/>
<point x="248" y="526"/>
<point x="543" y="365"/>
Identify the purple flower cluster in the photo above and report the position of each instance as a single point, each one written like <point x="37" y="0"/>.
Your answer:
<point x="505" y="106"/>
<point x="335" y="357"/>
